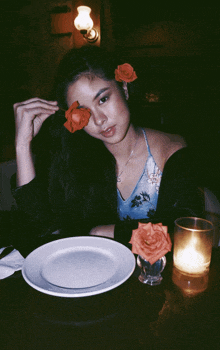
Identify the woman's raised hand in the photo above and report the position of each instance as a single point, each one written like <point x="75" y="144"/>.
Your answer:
<point x="29" y="117"/>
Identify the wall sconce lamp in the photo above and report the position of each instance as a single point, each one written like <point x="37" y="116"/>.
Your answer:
<point x="84" y="24"/>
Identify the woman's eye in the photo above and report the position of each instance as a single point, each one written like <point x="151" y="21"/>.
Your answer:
<point x="103" y="100"/>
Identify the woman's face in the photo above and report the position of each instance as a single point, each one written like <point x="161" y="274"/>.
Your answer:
<point x="110" y="117"/>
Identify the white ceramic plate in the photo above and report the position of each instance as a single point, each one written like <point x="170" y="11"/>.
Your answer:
<point x="78" y="266"/>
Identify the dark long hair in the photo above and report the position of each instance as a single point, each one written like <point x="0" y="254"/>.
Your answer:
<point x="76" y="62"/>
<point x="81" y="174"/>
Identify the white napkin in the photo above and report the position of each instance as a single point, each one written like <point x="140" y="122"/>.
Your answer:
<point x="10" y="263"/>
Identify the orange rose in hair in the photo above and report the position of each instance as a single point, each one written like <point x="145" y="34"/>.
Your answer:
<point x="125" y="72"/>
<point x="77" y="118"/>
<point x="151" y="241"/>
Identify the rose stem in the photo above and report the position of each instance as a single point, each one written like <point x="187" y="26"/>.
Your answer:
<point x="62" y="109"/>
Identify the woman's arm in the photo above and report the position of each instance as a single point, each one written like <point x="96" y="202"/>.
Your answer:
<point x="181" y="191"/>
<point x="29" y="117"/>
<point x="25" y="164"/>
<point x="104" y="231"/>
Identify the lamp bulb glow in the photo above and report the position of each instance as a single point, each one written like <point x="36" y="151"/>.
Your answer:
<point x="83" y="21"/>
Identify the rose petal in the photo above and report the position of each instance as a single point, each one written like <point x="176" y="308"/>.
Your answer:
<point x="77" y="118"/>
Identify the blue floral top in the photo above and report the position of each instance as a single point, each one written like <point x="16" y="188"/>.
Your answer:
<point x="142" y="202"/>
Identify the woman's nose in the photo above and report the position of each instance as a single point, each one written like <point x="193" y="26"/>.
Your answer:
<point x="99" y="118"/>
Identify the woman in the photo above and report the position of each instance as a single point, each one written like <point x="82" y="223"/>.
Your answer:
<point x="105" y="178"/>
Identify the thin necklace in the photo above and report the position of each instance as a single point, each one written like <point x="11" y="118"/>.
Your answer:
<point x="130" y="156"/>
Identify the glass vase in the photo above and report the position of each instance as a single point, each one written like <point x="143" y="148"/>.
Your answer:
<point x="151" y="274"/>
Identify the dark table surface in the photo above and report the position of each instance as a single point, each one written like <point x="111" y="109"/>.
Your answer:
<point x="132" y="316"/>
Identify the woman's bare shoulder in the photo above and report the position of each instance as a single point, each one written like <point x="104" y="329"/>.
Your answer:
<point x="163" y="145"/>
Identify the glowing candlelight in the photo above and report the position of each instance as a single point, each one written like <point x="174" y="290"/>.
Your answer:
<point x="189" y="259"/>
<point x="192" y="245"/>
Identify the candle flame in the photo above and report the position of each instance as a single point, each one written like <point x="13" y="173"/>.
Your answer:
<point x="189" y="259"/>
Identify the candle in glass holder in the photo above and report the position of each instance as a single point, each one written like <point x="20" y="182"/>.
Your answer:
<point x="193" y="245"/>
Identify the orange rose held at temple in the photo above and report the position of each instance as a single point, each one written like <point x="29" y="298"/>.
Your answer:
<point x="151" y="241"/>
<point x="77" y="118"/>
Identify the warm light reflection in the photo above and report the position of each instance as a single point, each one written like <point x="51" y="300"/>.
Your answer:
<point x="189" y="259"/>
<point x="190" y="285"/>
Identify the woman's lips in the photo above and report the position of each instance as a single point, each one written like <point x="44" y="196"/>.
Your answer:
<point x="109" y="132"/>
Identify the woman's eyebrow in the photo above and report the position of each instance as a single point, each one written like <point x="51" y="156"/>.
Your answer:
<point x="100" y="92"/>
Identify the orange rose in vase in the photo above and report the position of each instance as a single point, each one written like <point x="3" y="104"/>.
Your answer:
<point x="151" y="241"/>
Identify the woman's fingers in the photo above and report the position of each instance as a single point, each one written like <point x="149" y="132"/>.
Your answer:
<point x="29" y="117"/>
<point x="35" y="99"/>
<point x="29" y="106"/>
<point x="32" y="112"/>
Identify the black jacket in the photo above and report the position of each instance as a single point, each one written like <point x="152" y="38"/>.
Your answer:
<point x="40" y="215"/>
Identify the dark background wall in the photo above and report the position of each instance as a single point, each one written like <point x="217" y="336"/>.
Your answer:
<point x="29" y="55"/>
<point x="174" y="48"/>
